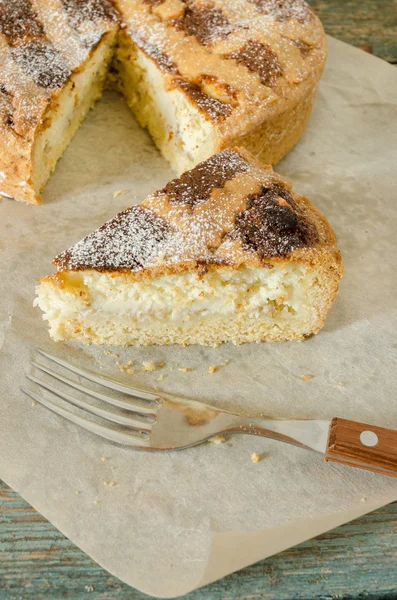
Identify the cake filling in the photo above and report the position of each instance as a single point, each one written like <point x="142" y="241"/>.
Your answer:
<point x="225" y="304"/>
<point x="66" y="114"/>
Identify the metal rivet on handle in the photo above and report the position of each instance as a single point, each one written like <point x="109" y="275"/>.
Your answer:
<point x="369" y="438"/>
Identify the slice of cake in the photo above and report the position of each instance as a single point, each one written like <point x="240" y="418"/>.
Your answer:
<point x="203" y="75"/>
<point x="54" y="58"/>
<point x="200" y="75"/>
<point x="227" y="252"/>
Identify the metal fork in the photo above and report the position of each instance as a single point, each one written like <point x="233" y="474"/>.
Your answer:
<point x="149" y="421"/>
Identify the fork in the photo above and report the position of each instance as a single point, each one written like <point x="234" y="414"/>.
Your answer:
<point x="150" y="421"/>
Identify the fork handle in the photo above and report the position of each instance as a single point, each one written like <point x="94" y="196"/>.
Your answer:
<point x="362" y="446"/>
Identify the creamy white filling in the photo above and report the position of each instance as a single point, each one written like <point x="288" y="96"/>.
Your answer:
<point x="73" y="103"/>
<point x="183" y="134"/>
<point x="90" y="298"/>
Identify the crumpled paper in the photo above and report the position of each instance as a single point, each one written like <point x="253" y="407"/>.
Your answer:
<point x="176" y="521"/>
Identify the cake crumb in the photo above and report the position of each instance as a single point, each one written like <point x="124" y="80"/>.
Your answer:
<point x="109" y="353"/>
<point x="212" y="369"/>
<point x="224" y="363"/>
<point x="363" y="500"/>
<point x="160" y="377"/>
<point x="218" y="439"/>
<point x="95" y="502"/>
<point x="118" y="193"/>
<point x="306" y="377"/>
<point x="161" y="364"/>
<point x="342" y="383"/>
<point x="130" y="371"/>
<point x="103" y="458"/>
<point x="255" y="458"/>
<point x="33" y="403"/>
<point x="148" y="366"/>
<point x="77" y="492"/>
<point x="111" y="483"/>
<point x="185" y="369"/>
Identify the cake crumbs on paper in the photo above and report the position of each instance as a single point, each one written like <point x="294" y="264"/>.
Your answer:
<point x="130" y="371"/>
<point x="109" y="483"/>
<point x="307" y="377"/>
<point x="118" y="193"/>
<point x="33" y="403"/>
<point x="148" y="366"/>
<point x="109" y="353"/>
<point x="212" y="369"/>
<point x="185" y="369"/>
<point x="363" y="500"/>
<point x="103" y="458"/>
<point x="218" y="439"/>
<point x="255" y="458"/>
<point x="224" y="363"/>
<point x="161" y="364"/>
<point x="160" y="377"/>
<point x="341" y="383"/>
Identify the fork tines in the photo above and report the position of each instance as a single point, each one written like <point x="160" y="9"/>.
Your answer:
<point x="136" y="419"/>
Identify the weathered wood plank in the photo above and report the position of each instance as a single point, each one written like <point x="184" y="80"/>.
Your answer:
<point x="369" y="24"/>
<point x="37" y="562"/>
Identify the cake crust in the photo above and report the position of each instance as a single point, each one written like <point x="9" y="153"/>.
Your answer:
<point x="229" y="211"/>
<point x="227" y="252"/>
<point x="249" y="69"/>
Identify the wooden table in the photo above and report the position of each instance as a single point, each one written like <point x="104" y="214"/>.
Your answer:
<point x="357" y="560"/>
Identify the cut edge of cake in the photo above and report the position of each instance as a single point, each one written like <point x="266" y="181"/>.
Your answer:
<point x="226" y="253"/>
<point x="199" y="76"/>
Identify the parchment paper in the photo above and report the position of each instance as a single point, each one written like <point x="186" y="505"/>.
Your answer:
<point x="175" y="521"/>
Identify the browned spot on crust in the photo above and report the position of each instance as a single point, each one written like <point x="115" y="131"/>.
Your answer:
<point x="155" y="54"/>
<point x="273" y="224"/>
<point x="204" y="22"/>
<point x="6" y="106"/>
<point x="79" y="11"/>
<point x="129" y="241"/>
<point x="303" y="48"/>
<point x="222" y="89"/>
<point x="195" y="186"/>
<point x="153" y="2"/>
<point x="215" y="109"/>
<point x="284" y="10"/>
<point x="18" y="21"/>
<point x="259" y="58"/>
<point x="43" y="63"/>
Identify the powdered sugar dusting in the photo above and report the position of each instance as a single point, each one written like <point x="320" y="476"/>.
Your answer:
<point x="283" y="10"/>
<point x="271" y="224"/>
<point x="196" y="185"/>
<point x="131" y="240"/>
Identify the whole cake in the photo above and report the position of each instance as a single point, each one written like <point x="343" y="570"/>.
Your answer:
<point x="200" y="75"/>
<point x="227" y="252"/>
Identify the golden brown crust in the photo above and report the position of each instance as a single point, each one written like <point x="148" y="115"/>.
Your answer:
<point x="41" y="48"/>
<point x="228" y="212"/>
<point x="251" y="68"/>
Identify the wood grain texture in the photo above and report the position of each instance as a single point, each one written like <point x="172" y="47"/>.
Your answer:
<point x="367" y="24"/>
<point x="345" y="446"/>
<point x="356" y="560"/>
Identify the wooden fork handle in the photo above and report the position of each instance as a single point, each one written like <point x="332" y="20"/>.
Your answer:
<point x="362" y="446"/>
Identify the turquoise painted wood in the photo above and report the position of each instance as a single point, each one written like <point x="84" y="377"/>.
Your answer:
<point x="357" y="560"/>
